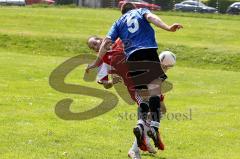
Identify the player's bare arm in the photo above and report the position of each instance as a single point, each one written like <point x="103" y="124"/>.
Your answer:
<point x="154" y="19"/>
<point x="105" y="46"/>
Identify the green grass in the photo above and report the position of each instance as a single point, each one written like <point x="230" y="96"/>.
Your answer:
<point x="34" y="41"/>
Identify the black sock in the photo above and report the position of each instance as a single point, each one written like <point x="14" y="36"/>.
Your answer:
<point x="154" y="104"/>
<point x="143" y="110"/>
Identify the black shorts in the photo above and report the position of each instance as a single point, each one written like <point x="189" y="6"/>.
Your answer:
<point x="141" y="56"/>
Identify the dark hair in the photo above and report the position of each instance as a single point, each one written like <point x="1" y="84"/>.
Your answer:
<point x="127" y="7"/>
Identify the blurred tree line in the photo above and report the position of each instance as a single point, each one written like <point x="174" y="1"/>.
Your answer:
<point x="221" y="5"/>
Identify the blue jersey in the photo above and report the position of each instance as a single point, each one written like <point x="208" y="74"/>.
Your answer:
<point x="134" y="30"/>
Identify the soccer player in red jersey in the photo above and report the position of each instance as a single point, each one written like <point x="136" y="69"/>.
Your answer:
<point x="105" y="67"/>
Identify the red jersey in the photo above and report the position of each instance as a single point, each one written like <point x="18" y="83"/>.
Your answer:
<point x="114" y="62"/>
<point x="105" y="67"/>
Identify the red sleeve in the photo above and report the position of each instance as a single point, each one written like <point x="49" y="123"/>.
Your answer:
<point x="99" y="64"/>
<point x="118" y="46"/>
<point x="107" y="57"/>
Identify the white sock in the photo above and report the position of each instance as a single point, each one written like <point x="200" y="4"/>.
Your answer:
<point x="140" y="121"/>
<point x="135" y="146"/>
<point x="155" y="124"/>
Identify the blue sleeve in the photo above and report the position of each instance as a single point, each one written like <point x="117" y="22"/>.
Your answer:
<point x="113" y="32"/>
<point x="144" y="11"/>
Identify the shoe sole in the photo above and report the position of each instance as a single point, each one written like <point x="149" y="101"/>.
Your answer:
<point x="155" y="140"/>
<point x="139" y="138"/>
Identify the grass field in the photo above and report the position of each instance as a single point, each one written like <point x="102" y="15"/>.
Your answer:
<point x="34" y="41"/>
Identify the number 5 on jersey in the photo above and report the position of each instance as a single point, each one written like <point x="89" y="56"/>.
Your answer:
<point x="132" y="24"/>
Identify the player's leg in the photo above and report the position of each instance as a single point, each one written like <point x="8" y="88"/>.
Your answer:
<point x="134" y="151"/>
<point x="138" y="131"/>
<point x="143" y="95"/>
<point x="155" y="110"/>
<point x="140" y="137"/>
<point x="140" y="98"/>
<point x="154" y="103"/>
<point x="147" y="127"/>
<point x="153" y="122"/>
<point x="141" y="56"/>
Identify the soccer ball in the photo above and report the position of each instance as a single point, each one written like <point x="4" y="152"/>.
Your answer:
<point x="167" y="58"/>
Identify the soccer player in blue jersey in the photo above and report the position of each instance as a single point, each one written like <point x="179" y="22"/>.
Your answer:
<point x="134" y="29"/>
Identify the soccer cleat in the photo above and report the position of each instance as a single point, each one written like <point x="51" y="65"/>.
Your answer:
<point x="134" y="155"/>
<point x="150" y="149"/>
<point x="155" y="135"/>
<point x="138" y="132"/>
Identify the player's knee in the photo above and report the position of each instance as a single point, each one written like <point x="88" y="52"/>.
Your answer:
<point x="154" y="103"/>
